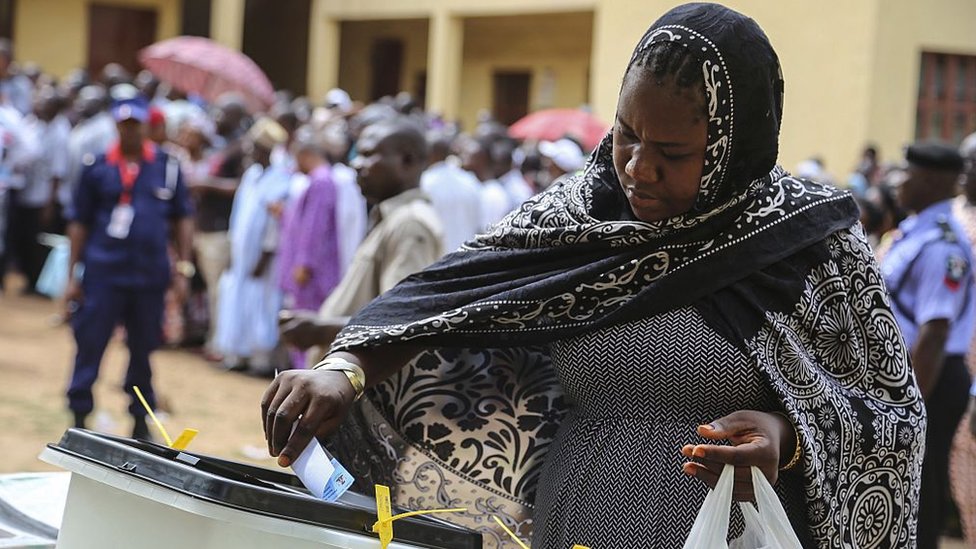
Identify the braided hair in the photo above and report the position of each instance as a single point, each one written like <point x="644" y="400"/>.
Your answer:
<point x="672" y="62"/>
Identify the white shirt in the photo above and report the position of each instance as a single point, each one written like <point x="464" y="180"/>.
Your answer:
<point x="20" y="148"/>
<point x="51" y="163"/>
<point x="456" y="197"/>
<point x="517" y="188"/>
<point x="299" y="184"/>
<point x="88" y="139"/>
<point x="351" y="218"/>
<point x="494" y="203"/>
<point x="280" y="157"/>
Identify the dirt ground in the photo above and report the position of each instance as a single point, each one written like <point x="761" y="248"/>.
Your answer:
<point x="35" y="362"/>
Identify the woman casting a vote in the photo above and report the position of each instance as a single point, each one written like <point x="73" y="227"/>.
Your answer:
<point x="585" y="370"/>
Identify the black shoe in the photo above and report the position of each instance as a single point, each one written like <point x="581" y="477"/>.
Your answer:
<point x="80" y="419"/>
<point x="140" y="429"/>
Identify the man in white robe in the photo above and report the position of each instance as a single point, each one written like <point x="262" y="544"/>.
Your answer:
<point x="249" y="297"/>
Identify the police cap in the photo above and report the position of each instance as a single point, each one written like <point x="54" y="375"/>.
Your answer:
<point x="933" y="155"/>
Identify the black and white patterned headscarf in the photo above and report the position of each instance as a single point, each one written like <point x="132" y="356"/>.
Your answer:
<point x="776" y="264"/>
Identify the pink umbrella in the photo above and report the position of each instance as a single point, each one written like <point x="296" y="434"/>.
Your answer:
<point x="206" y="68"/>
<point x="553" y="124"/>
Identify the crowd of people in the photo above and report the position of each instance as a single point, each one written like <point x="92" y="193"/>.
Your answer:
<point x="271" y="239"/>
<point x="278" y="214"/>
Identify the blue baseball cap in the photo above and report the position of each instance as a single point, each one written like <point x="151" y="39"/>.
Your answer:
<point x="135" y="108"/>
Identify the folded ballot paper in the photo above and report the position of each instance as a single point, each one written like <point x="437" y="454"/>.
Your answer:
<point x="321" y="473"/>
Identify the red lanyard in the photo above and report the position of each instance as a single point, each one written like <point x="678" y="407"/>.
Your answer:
<point x="128" y="172"/>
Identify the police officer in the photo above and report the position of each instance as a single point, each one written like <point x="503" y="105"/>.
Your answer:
<point x="929" y="274"/>
<point x="126" y="203"/>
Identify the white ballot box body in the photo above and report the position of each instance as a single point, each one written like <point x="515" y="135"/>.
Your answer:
<point x="109" y="509"/>
<point x="133" y="498"/>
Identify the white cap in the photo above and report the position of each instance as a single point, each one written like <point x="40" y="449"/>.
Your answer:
<point x="201" y="123"/>
<point x="809" y="169"/>
<point x="338" y="98"/>
<point x="564" y="153"/>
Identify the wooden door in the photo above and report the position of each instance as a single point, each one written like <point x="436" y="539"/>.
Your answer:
<point x="7" y="9"/>
<point x="511" y="96"/>
<point x="276" y="38"/>
<point x="196" y="17"/>
<point x="116" y="34"/>
<point x="387" y="65"/>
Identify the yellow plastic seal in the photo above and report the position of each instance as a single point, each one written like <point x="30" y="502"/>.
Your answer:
<point x="384" y="515"/>
<point x="184" y="440"/>
<point x="159" y="425"/>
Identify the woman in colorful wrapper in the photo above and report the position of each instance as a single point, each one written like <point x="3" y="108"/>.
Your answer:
<point x="680" y="304"/>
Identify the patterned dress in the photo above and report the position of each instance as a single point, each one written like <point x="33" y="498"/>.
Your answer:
<point x="640" y="389"/>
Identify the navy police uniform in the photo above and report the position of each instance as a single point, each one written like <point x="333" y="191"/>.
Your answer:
<point x="929" y="275"/>
<point x="127" y="209"/>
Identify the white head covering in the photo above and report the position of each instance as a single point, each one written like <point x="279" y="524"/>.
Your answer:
<point x="564" y="153"/>
<point x="337" y="98"/>
<point x="809" y="169"/>
<point x="200" y="122"/>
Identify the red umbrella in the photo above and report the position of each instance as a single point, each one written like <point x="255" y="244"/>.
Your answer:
<point x="204" y="67"/>
<point x="552" y="124"/>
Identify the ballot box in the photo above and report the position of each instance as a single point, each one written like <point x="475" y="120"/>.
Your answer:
<point x="127" y="493"/>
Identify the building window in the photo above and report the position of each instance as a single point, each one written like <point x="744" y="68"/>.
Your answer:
<point x="946" y="97"/>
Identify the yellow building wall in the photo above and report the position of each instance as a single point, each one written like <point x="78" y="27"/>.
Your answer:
<point x="905" y="30"/>
<point x="355" y="46"/>
<point x="825" y="49"/>
<point x="554" y="48"/>
<point x="403" y="9"/>
<point x="54" y="33"/>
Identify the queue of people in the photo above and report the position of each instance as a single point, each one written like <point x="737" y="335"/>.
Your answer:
<point x="516" y="323"/>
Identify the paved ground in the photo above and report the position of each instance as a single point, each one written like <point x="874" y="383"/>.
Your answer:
<point x="35" y="360"/>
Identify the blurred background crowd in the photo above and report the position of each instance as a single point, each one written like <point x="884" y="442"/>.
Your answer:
<point x="474" y="176"/>
<point x="53" y="128"/>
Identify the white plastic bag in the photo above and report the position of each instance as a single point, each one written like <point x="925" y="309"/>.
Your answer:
<point x="766" y="527"/>
<point x="54" y="275"/>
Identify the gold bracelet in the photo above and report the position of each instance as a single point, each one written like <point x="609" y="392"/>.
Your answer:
<point x="798" y="453"/>
<point x="355" y="374"/>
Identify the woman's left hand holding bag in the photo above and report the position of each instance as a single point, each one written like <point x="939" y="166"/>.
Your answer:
<point x="759" y="439"/>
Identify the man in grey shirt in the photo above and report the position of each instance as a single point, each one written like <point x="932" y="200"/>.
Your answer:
<point x="89" y="138"/>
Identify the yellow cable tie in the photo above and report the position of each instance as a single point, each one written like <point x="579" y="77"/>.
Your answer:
<point x="426" y="512"/>
<point x="384" y="512"/>
<point x="384" y="509"/>
<point x="184" y="440"/>
<point x="509" y="532"/>
<point x="142" y="399"/>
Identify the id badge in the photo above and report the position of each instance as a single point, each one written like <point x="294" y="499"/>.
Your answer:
<point x="121" y="221"/>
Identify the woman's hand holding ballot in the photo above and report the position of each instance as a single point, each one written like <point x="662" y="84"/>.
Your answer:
<point x="300" y="404"/>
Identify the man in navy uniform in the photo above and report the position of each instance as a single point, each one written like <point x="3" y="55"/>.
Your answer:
<point x="929" y="274"/>
<point x="128" y="203"/>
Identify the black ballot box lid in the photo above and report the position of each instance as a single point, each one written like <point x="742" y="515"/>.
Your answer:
<point x="254" y="489"/>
